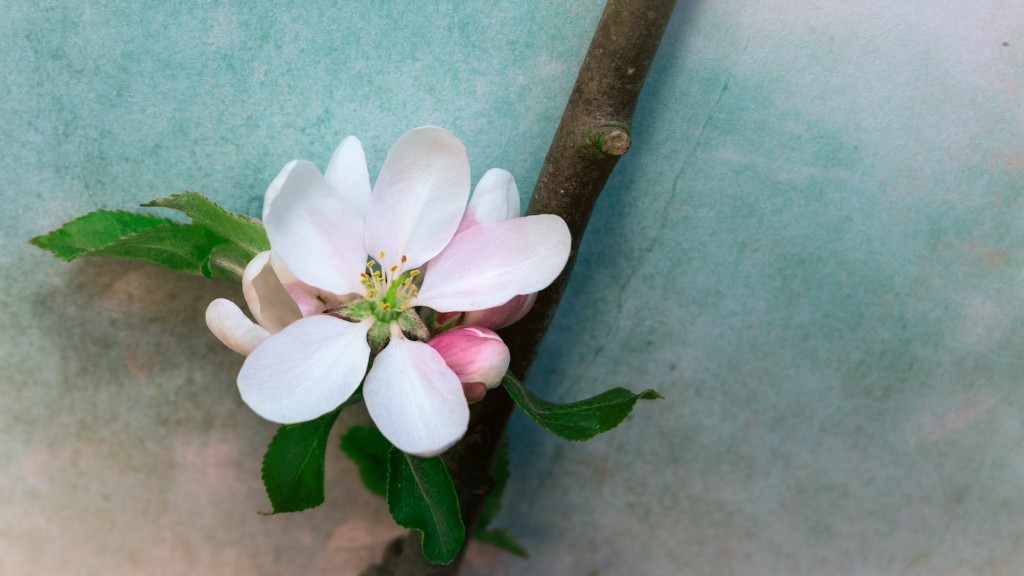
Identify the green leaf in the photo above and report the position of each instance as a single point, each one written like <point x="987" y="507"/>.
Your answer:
<point x="293" y="467"/>
<point x="421" y="497"/>
<point x="492" y="505"/>
<point x="580" y="420"/>
<point x="242" y="231"/>
<point x="368" y="448"/>
<point x="94" y="231"/>
<point x="228" y="260"/>
<point x="119" y="234"/>
<point x="503" y="539"/>
<point x="216" y="243"/>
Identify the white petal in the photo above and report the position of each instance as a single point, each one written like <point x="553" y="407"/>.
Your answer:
<point x="305" y="370"/>
<point x="348" y="174"/>
<point x="232" y="327"/>
<point x="419" y="197"/>
<point x="314" y="230"/>
<point x="309" y="299"/>
<point x="415" y="399"/>
<point x="496" y="197"/>
<point x="265" y="295"/>
<point x="488" y="264"/>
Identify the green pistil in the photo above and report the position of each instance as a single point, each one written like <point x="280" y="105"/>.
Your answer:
<point x="385" y="312"/>
<point x="393" y="304"/>
<point x="389" y="295"/>
<point x="392" y="296"/>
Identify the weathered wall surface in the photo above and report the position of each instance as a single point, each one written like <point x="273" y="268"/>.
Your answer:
<point x="814" y="250"/>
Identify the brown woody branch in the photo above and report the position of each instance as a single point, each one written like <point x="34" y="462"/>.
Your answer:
<point x="593" y="134"/>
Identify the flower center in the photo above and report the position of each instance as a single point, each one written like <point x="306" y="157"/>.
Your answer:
<point x="391" y="290"/>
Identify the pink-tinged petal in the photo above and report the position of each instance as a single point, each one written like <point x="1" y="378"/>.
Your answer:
<point x="232" y="327"/>
<point x="266" y="297"/>
<point x="475" y="354"/>
<point x="310" y="299"/>
<point x="348" y="174"/>
<point x="305" y="370"/>
<point x="314" y="230"/>
<point x="313" y="301"/>
<point x="419" y="197"/>
<point x="415" y="399"/>
<point x="488" y="264"/>
<point x="444" y="318"/>
<point x="495" y="198"/>
<point x="501" y="316"/>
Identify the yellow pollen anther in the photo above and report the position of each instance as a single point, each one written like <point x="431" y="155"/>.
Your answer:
<point x="392" y="289"/>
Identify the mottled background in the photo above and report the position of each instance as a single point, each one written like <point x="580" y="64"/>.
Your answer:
<point x="814" y="250"/>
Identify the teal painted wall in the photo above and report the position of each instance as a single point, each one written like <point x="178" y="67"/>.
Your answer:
<point x="813" y="250"/>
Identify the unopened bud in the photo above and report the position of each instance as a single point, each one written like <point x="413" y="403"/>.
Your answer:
<point x="475" y="354"/>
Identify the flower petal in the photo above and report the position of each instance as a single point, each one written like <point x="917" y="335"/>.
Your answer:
<point x="232" y="327"/>
<point x="496" y="197"/>
<point x="501" y="316"/>
<point x="265" y="295"/>
<point x="415" y="399"/>
<point x="488" y="264"/>
<point x="314" y="230"/>
<point x="348" y="174"/>
<point x="305" y="370"/>
<point x="310" y="299"/>
<point x="419" y="197"/>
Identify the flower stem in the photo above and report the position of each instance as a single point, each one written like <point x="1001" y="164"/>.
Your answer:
<point x="593" y="134"/>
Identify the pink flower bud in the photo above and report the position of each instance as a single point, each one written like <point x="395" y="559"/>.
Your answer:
<point x="500" y="316"/>
<point x="476" y="355"/>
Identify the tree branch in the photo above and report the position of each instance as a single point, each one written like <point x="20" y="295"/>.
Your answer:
<point x="593" y="134"/>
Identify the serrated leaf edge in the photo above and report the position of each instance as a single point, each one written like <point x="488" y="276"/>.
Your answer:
<point x="512" y="385"/>
<point x="36" y="240"/>
<point x="433" y="515"/>
<point x="263" y="468"/>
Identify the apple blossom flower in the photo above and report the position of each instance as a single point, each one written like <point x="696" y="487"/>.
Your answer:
<point x="359" y="265"/>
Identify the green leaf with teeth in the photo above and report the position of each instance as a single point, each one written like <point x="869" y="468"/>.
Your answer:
<point x="132" y="236"/>
<point x="421" y="497"/>
<point x="579" y="420"/>
<point x="216" y="243"/>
